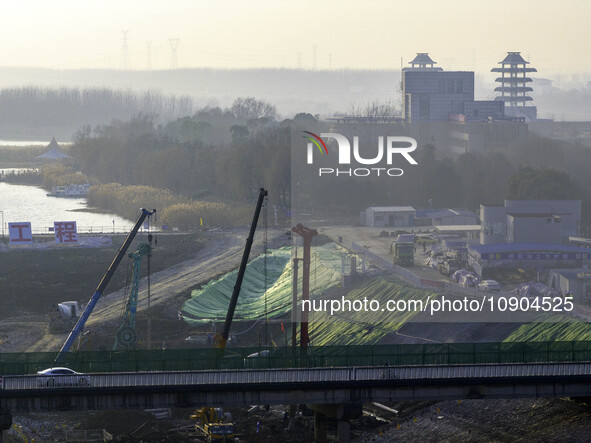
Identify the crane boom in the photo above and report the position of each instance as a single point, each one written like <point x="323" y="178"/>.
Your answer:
<point x="236" y="292"/>
<point x="103" y="284"/>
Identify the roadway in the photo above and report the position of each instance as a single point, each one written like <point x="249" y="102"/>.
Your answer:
<point x="369" y="238"/>
<point x="329" y="386"/>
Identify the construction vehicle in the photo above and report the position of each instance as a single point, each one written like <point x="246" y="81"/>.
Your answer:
<point x="79" y="326"/>
<point x="213" y="424"/>
<point x="448" y="266"/>
<point x="404" y="253"/>
<point x="222" y="339"/>
<point x="450" y="262"/>
<point x="126" y="335"/>
<point x="64" y="316"/>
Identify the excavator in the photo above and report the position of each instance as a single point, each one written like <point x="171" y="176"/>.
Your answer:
<point x="213" y="424"/>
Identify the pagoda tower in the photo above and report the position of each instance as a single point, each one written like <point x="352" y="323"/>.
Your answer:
<point x="422" y="61"/>
<point x="514" y="82"/>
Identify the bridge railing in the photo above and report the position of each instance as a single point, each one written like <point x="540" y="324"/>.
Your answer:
<point x="290" y="376"/>
<point x="324" y="356"/>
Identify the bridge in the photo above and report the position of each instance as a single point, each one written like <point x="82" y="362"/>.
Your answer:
<point x="339" y="385"/>
<point x="382" y="374"/>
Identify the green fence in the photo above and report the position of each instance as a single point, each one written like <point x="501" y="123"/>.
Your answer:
<point x="325" y="356"/>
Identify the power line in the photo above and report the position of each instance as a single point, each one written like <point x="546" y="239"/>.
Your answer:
<point x="174" y="45"/>
<point x="148" y="55"/>
<point x="125" y="51"/>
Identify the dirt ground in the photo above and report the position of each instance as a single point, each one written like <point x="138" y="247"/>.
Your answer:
<point x="24" y="327"/>
<point x="526" y="420"/>
<point x="24" y="319"/>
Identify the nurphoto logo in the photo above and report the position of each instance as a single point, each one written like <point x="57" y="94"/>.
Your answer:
<point x="381" y="162"/>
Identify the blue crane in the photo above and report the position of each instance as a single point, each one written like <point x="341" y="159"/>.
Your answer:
<point x="102" y="285"/>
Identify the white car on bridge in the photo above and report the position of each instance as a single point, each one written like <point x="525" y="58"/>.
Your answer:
<point x="61" y="377"/>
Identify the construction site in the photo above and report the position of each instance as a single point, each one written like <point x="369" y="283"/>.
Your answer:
<point x="212" y="311"/>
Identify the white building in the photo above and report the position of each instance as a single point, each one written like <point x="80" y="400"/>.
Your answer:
<point x="530" y="221"/>
<point x="388" y="216"/>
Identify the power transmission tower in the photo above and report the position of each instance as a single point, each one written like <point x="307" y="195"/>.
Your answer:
<point x="125" y="51"/>
<point x="174" y="44"/>
<point x="314" y="66"/>
<point x="299" y="60"/>
<point x="330" y="61"/>
<point x="148" y="55"/>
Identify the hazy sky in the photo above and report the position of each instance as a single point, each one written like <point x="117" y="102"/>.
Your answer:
<point x="459" y="34"/>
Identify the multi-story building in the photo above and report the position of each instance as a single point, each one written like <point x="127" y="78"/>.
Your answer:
<point x="432" y="94"/>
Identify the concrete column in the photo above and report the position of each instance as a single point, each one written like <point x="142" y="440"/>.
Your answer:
<point x="5" y="421"/>
<point x="320" y="428"/>
<point x="344" y="431"/>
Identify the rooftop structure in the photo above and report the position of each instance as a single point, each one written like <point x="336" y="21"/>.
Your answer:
<point x="513" y="86"/>
<point x="423" y="61"/>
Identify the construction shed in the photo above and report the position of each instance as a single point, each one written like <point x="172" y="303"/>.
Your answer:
<point x="526" y="256"/>
<point x="391" y="216"/>
<point x="575" y="282"/>
<point x="439" y="217"/>
<point x="458" y="231"/>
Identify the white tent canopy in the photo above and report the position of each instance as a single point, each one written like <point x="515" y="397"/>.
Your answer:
<point x="53" y="152"/>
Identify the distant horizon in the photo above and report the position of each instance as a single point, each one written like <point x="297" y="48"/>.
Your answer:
<point x="286" y="68"/>
<point x="459" y="34"/>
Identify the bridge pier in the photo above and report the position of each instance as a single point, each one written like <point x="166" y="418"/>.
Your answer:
<point x="5" y="421"/>
<point x="344" y="431"/>
<point x="342" y="412"/>
<point x="320" y="428"/>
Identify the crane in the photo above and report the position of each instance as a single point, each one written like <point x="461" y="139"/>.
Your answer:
<point x="102" y="285"/>
<point x="221" y="340"/>
<point x="126" y="335"/>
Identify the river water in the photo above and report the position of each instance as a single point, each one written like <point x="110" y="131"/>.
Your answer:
<point x="21" y="203"/>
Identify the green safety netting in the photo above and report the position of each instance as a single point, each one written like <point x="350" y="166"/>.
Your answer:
<point x="552" y="327"/>
<point x="315" y="356"/>
<point x="366" y="326"/>
<point x="210" y="303"/>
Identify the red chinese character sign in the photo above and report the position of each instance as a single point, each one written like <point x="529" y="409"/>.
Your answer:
<point x="20" y="233"/>
<point x="65" y="232"/>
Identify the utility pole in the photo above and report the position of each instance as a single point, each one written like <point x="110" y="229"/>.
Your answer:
<point x="294" y="302"/>
<point x="307" y="234"/>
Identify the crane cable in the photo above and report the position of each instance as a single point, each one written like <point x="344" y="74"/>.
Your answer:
<point x="149" y="322"/>
<point x="126" y="292"/>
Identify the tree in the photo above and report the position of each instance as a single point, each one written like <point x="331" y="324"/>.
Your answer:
<point x="239" y="132"/>
<point x="546" y="184"/>
<point x="245" y="108"/>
